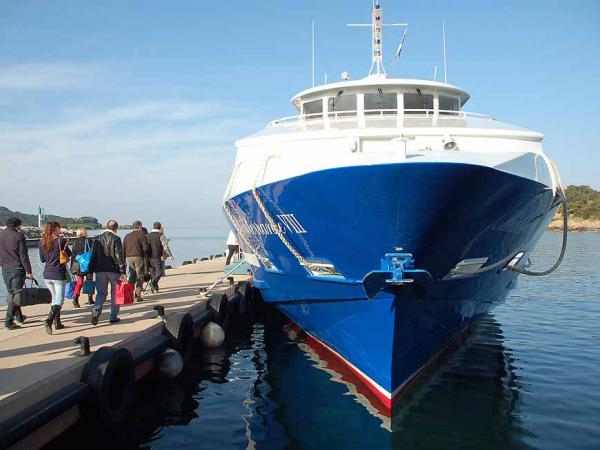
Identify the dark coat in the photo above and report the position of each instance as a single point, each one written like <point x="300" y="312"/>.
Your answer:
<point x="54" y="270"/>
<point x="107" y="254"/>
<point x="135" y="244"/>
<point x="13" y="250"/>
<point x="156" y="247"/>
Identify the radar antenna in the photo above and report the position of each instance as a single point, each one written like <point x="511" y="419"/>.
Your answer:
<point x="377" y="38"/>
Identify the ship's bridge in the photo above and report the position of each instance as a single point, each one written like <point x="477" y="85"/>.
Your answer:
<point x="380" y="102"/>
<point x="377" y="96"/>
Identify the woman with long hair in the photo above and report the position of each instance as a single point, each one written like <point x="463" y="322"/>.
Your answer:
<point x="81" y="245"/>
<point x="55" y="253"/>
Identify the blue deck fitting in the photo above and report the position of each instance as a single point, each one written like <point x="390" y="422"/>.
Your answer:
<point x="397" y="269"/>
<point x="397" y="264"/>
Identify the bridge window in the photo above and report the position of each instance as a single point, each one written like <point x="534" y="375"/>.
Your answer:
<point x="417" y="103"/>
<point x="340" y="103"/>
<point x="448" y="104"/>
<point x="381" y="103"/>
<point x="314" y="109"/>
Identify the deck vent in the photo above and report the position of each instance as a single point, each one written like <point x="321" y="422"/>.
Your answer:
<point x="466" y="268"/>
<point x="513" y="262"/>
<point x="320" y="268"/>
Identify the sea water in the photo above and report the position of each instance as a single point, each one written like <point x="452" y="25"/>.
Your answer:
<point x="528" y="377"/>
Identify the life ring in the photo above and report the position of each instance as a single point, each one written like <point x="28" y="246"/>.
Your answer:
<point x="218" y="303"/>
<point x="180" y="327"/>
<point x="110" y="374"/>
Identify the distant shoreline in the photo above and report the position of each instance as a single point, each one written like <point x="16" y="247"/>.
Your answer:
<point x="576" y="224"/>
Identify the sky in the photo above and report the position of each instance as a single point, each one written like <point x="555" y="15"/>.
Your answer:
<point x="131" y="109"/>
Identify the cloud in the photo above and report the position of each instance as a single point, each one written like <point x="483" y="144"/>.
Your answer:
<point x="46" y="76"/>
<point x="167" y="121"/>
<point x="154" y="159"/>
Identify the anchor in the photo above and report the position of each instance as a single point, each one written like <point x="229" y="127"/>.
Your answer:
<point x="397" y="269"/>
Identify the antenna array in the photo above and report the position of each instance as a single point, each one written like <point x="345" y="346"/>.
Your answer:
<point x="377" y="38"/>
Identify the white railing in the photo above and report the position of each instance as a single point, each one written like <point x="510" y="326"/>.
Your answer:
<point x="369" y="115"/>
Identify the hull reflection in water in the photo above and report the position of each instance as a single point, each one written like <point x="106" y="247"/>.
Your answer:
<point x="267" y="389"/>
<point x="470" y="386"/>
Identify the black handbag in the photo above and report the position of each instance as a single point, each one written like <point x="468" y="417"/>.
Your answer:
<point x="28" y="296"/>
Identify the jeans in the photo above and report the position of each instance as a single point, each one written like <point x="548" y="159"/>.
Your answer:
<point x="57" y="289"/>
<point x="14" y="279"/>
<point x="102" y="281"/>
<point x="137" y="269"/>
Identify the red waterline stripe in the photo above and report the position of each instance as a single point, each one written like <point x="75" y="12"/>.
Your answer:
<point x="377" y="399"/>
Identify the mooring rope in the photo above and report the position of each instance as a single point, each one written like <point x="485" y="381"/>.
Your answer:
<point x="562" y="249"/>
<point x="523" y="271"/>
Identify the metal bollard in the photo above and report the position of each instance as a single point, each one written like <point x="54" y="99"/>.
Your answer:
<point x="84" y="345"/>
<point x="161" y="311"/>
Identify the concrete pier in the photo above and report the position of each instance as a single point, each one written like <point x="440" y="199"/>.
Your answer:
<point x="36" y="367"/>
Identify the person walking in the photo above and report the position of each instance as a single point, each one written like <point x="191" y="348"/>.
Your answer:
<point x="156" y="255"/>
<point x="108" y="263"/>
<point x="81" y="245"/>
<point x="15" y="268"/>
<point x="167" y="253"/>
<point x="136" y="250"/>
<point x="55" y="253"/>
<point x="147" y="258"/>
<point x="233" y="247"/>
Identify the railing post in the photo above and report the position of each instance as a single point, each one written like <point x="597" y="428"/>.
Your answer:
<point x="400" y="110"/>
<point x="325" y="113"/>
<point x="360" y="110"/>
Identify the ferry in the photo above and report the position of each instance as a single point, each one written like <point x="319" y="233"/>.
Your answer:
<point x="384" y="220"/>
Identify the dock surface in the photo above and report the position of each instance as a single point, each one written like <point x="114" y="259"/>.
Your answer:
<point x="34" y="364"/>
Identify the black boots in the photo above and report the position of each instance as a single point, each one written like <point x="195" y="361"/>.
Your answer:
<point x="53" y="316"/>
<point x="57" y="323"/>
<point x="76" y="302"/>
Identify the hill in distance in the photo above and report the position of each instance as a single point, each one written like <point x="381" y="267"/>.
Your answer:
<point x="32" y="219"/>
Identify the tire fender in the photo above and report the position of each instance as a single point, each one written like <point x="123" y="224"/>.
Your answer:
<point x="180" y="328"/>
<point x="244" y="288"/>
<point x="218" y="303"/>
<point x="110" y="374"/>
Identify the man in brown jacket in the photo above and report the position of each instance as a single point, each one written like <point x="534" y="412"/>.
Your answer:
<point x="136" y="249"/>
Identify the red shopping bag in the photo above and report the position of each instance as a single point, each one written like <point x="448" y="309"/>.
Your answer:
<point x="124" y="293"/>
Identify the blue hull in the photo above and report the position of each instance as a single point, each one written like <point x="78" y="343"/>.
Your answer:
<point x="442" y="213"/>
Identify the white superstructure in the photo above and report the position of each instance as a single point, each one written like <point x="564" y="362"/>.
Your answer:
<point x="378" y="120"/>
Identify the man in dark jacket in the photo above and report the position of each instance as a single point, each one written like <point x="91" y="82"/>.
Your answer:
<point x="15" y="268"/>
<point x="108" y="263"/>
<point x="136" y="250"/>
<point x="156" y="255"/>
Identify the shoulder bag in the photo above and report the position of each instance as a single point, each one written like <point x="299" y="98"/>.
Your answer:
<point x="28" y="296"/>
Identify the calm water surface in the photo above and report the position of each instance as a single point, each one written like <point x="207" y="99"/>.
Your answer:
<point x="528" y="377"/>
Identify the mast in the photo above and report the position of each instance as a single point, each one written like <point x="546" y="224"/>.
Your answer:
<point x="377" y="38"/>
<point x="377" y="32"/>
